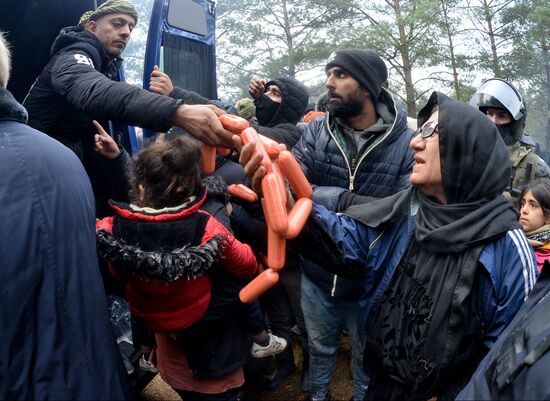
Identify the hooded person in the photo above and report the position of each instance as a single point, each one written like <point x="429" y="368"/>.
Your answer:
<point x="280" y="104"/>
<point x="444" y="263"/>
<point x="57" y="342"/>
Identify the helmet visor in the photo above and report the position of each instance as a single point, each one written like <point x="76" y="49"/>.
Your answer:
<point x="501" y="91"/>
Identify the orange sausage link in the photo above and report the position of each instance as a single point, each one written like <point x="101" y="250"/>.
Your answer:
<point x="276" y="250"/>
<point x="298" y="216"/>
<point x="272" y="148"/>
<point x="294" y="174"/>
<point x="258" y="286"/>
<point x="224" y="151"/>
<point x="233" y="123"/>
<point x="242" y="192"/>
<point x="250" y="135"/>
<point x="208" y="159"/>
<point x="280" y="180"/>
<point x="274" y="205"/>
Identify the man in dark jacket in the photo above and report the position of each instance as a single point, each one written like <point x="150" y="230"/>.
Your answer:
<point x="56" y="339"/>
<point x="280" y="104"/>
<point x="76" y="86"/>
<point x="361" y="145"/>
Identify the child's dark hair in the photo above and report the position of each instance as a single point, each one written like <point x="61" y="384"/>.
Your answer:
<point x="169" y="172"/>
<point x="540" y="189"/>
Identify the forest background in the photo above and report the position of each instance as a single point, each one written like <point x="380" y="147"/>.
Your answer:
<point x="446" y="45"/>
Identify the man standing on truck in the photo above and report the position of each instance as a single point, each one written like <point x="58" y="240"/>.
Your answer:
<point x="76" y="86"/>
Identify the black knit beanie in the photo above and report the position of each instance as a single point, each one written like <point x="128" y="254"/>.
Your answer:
<point x="294" y="97"/>
<point x="365" y="65"/>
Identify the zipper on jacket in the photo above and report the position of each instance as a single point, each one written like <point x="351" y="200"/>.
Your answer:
<point x="388" y="132"/>
<point x="334" y="280"/>
<point x="341" y="151"/>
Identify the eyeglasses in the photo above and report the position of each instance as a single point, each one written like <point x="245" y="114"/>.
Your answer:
<point x="427" y="130"/>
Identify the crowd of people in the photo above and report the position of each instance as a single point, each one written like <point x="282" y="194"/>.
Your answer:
<point x="424" y="245"/>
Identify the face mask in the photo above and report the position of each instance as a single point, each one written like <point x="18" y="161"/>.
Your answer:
<point x="265" y="109"/>
<point x="507" y="133"/>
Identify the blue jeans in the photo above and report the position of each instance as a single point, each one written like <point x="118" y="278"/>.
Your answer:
<point x="325" y="318"/>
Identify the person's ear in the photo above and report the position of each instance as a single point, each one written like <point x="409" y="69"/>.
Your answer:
<point x="91" y="26"/>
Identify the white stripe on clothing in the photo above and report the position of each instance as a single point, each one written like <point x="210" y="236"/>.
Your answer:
<point x="525" y="254"/>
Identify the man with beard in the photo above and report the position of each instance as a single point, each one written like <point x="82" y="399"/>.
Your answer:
<point x="361" y="145"/>
<point x="504" y="106"/>
<point x="77" y="86"/>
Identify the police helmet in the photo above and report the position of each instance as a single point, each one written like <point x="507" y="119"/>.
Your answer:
<point x="499" y="94"/>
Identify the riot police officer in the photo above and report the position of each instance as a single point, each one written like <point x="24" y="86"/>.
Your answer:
<point x="504" y="105"/>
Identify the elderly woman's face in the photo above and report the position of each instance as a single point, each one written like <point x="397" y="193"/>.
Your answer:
<point x="426" y="173"/>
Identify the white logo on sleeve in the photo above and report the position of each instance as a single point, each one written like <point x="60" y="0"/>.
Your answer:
<point x="82" y="59"/>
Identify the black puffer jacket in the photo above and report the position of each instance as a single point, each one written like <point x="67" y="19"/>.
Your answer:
<point x="282" y="127"/>
<point x="380" y="171"/>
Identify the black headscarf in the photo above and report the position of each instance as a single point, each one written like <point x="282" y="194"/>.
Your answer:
<point x="424" y="337"/>
<point x="475" y="169"/>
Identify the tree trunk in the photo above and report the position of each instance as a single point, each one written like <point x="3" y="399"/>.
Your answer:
<point x="491" y="34"/>
<point x="289" y="43"/>
<point x="447" y="26"/>
<point x="407" y="63"/>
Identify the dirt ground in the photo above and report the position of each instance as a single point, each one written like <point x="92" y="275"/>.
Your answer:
<point x="289" y="391"/>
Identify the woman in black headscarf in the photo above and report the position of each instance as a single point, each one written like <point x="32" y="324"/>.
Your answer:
<point x="444" y="262"/>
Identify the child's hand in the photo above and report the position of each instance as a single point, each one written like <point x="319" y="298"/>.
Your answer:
<point x="104" y="144"/>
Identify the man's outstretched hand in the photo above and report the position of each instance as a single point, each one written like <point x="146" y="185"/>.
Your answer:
<point x="201" y="121"/>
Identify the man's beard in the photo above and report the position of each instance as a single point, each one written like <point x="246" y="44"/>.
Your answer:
<point x="348" y="107"/>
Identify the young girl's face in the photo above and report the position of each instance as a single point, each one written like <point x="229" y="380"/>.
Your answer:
<point x="532" y="215"/>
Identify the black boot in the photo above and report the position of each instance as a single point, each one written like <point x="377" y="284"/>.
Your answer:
<point x="285" y="368"/>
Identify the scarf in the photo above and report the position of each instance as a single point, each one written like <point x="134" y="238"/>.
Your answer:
<point x="423" y="336"/>
<point x="539" y="237"/>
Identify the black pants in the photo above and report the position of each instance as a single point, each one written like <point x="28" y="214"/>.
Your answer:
<point x="229" y="395"/>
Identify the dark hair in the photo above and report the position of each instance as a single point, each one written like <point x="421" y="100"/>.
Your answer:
<point x="540" y="188"/>
<point x="169" y="171"/>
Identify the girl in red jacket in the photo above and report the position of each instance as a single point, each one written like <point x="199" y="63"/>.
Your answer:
<point x="183" y="268"/>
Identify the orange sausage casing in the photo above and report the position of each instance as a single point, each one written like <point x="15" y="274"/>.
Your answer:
<point x="272" y="148"/>
<point x="280" y="180"/>
<point x="233" y="123"/>
<point x="224" y="151"/>
<point x="250" y="135"/>
<point x="242" y="192"/>
<point x="276" y="250"/>
<point x="208" y="159"/>
<point x="298" y="216"/>
<point x="273" y="204"/>
<point x="294" y="174"/>
<point x="258" y="286"/>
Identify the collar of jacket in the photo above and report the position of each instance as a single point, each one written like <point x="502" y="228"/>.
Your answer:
<point x="10" y="109"/>
<point x="124" y="210"/>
